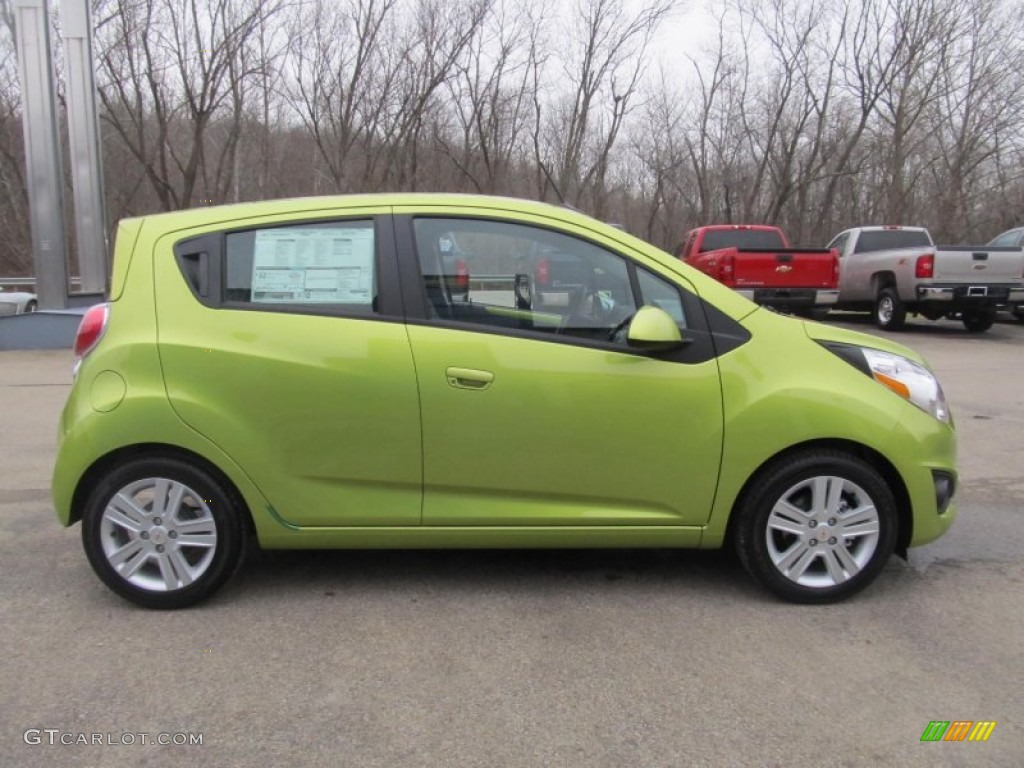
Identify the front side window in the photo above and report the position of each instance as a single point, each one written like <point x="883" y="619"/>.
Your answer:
<point x="505" y="275"/>
<point x="658" y="292"/>
<point x="327" y="265"/>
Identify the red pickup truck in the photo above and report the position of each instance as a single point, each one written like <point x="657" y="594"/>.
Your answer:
<point x="757" y="261"/>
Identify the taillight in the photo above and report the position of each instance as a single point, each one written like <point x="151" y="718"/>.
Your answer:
<point x="728" y="267"/>
<point x="461" y="275"/>
<point x="542" y="275"/>
<point x="925" y="266"/>
<point x="90" y="330"/>
<point x="835" y="271"/>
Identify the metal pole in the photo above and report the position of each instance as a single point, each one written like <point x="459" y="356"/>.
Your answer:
<point x="83" y="135"/>
<point x="42" y="155"/>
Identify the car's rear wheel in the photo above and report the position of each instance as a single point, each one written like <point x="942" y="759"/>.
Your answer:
<point x="890" y="314"/>
<point x="31" y="306"/>
<point x="816" y="527"/>
<point x="163" y="533"/>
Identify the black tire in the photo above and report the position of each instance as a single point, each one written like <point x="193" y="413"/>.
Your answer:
<point x="192" y="549"/>
<point x="1018" y="312"/>
<point x="978" y="320"/>
<point x="890" y="312"/>
<point x="837" y="565"/>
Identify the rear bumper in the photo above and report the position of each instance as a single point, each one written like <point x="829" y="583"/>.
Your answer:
<point x="791" y="298"/>
<point x="979" y="293"/>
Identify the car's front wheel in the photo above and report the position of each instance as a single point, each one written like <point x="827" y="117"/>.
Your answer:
<point x="816" y="527"/>
<point x="162" y="532"/>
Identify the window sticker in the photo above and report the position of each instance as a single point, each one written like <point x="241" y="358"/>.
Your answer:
<point x="313" y="266"/>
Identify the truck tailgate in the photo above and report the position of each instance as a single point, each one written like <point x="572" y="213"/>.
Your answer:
<point x="791" y="268"/>
<point x="985" y="264"/>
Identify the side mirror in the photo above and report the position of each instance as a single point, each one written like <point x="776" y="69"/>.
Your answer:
<point x="653" y="330"/>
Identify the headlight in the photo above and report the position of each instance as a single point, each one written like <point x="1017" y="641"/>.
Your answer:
<point x="906" y="378"/>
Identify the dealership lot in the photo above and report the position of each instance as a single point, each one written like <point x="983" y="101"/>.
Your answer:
<point x="522" y="658"/>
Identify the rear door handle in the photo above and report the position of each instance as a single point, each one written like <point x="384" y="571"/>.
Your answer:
<point x="468" y="378"/>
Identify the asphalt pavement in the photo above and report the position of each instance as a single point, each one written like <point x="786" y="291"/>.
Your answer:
<point x="606" y="658"/>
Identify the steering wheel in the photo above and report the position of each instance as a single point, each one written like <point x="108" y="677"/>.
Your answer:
<point x="622" y="325"/>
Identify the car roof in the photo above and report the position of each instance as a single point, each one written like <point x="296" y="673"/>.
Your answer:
<point x="215" y="213"/>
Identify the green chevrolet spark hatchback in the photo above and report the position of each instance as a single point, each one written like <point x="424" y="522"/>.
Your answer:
<point x="451" y="371"/>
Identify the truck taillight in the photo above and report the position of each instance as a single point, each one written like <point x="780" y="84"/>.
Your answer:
<point x="728" y="267"/>
<point x="835" y="271"/>
<point x="90" y="331"/>
<point x="542" y="275"/>
<point x="925" y="266"/>
<point x="461" y="275"/>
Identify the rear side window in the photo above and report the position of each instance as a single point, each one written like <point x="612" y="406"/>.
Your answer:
<point x="884" y="239"/>
<point x="744" y="239"/>
<point x="323" y="267"/>
<point x="324" y="264"/>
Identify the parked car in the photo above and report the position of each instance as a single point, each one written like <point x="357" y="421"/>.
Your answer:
<point x="758" y="261"/>
<point x="895" y="270"/>
<point x="284" y="368"/>
<point x="1013" y="238"/>
<point x="16" y="302"/>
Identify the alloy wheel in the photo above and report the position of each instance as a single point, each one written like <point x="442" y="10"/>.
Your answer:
<point x="822" y="531"/>
<point x="158" y="534"/>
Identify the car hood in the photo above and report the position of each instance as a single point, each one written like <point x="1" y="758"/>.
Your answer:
<point x="822" y="332"/>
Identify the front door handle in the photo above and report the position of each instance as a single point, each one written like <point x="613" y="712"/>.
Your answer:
<point x="468" y="378"/>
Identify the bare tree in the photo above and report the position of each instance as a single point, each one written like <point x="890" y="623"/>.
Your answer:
<point x="606" y="57"/>
<point x="492" y="97"/>
<point x="975" y="122"/>
<point x="15" y="239"/>
<point x="168" y="69"/>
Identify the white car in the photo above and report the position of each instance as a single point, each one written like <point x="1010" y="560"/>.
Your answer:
<point x="16" y="302"/>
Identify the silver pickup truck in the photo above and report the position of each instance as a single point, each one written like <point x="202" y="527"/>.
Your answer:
<point x="895" y="270"/>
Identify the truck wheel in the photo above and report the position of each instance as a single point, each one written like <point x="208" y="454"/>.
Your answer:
<point x="890" y="314"/>
<point x="978" y="320"/>
<point x="1018" y="312"/>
